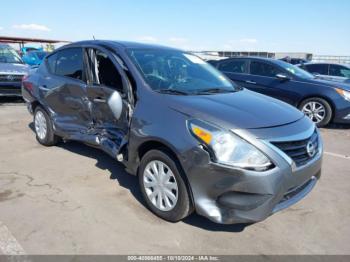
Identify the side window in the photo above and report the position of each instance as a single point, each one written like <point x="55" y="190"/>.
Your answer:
<point x="263" y="69"/>
<point x="337" y="70"/>
<point x="302" y="66"/>
<point x="105" y="73"/>
<point x="320" y="69"/>
<point x="70" y="63"/>
<point x="51" y="63"/>
<point x="233" y="66"/>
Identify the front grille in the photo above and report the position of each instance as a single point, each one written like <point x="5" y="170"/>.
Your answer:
<point x="297" y="150"/>
<point x="11" y="78"/>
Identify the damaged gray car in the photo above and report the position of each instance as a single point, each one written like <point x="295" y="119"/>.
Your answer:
<point x="196" y="141"/>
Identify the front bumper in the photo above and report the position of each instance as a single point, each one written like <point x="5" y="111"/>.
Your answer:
<point x="10" y="89"/>
<point x="342" y="111"/>
<point x="343" y="116"/>
<point x="227" y="195"/>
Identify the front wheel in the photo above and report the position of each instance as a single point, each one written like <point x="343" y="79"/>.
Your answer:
<point x="318" y="110"/>
<point x="162" y="186"/>
<point x="44" y="128"/>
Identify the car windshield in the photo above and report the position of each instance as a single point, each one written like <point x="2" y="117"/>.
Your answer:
<point x="171" y="71"/>
<point x="294" y="70"/>
<point x="9" y="55"/>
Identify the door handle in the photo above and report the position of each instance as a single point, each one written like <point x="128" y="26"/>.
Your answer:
<point x="250" y="82"/>
<point x="44" y="87"/>
<point x="99" y="100"/>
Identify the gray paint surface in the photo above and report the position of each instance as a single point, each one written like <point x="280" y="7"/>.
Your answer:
<point x="162" y="118"/>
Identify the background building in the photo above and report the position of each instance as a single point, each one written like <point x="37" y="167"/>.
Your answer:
<point x="217" y="55"/>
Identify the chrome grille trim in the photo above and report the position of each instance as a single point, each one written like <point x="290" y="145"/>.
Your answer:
<point x="10" y="78"/>
<point x="297" y="150"/>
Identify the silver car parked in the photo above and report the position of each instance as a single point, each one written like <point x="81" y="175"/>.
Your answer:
<point x="12" y="71"/>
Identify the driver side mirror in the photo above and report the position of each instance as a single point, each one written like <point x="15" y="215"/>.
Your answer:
<point x="115" y="103"/>
<point x="282" y="77"/>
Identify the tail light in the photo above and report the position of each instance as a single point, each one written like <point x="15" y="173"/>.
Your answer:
<point x="25" y="77"/>
<point x="26" y="84"/>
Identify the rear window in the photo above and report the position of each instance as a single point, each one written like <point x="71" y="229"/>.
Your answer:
<point x="70" y="63"/>
<point x="51" y="63"/>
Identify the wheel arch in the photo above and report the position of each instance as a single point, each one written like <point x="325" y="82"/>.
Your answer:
<point x="35" y="104"/>
<point x="327" y="99"/>
<point x="155" y="144"/>
<point x="32" y="105"/>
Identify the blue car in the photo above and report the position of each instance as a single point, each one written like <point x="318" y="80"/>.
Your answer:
<point x="322" y="101"/>
<point x="27" y="49"/>
<point x="34" y="57"/>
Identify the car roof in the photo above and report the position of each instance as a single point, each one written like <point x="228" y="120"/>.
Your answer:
<point x="36" y="51"/>
<point x="251" y="57"/>
<point x="324" y="63"/>
<point x="119" y="44"/>
<point x="30" y="47"/>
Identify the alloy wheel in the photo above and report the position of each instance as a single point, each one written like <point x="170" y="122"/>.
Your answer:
<point x="315" y="111"/>
<point x="40" y="125"/>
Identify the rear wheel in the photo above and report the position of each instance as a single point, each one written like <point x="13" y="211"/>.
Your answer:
<point x="44" y="128"/>
<point x="162" y="186"/>
<point x="318" y="110"/>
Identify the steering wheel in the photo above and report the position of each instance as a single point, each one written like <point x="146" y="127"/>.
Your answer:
<point x="158" y="81"/>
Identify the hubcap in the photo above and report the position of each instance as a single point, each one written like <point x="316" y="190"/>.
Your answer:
<point x="40" y="125"/>
<point x="160" y="185"/>
<point x="315" y="111"/>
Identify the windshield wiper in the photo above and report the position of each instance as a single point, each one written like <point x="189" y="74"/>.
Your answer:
<point x="172" y="91"/>
<point x="214" y="91"/>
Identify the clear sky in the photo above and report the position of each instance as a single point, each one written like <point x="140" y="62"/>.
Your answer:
<point x="316" y="26"/>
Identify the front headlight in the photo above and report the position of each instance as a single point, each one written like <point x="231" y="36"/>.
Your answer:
<point x="343" y="93"/>
<point x="229" y="149"/>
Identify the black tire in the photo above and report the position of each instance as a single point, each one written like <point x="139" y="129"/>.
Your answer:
<point x="183" y="206"/>
<point x="50" y="139"/>
<point x="328" y="109"/>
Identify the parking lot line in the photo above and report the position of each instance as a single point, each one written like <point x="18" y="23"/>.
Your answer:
<point x="337" y="155"/>
<point x="8" y="243"/>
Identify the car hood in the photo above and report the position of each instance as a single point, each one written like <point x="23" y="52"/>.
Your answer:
<point x="239" y="110"/>
<point x="13" y="69"/>
<point x="334" y="84"/>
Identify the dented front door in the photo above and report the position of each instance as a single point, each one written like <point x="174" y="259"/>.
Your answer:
<point x="107" y="96"/>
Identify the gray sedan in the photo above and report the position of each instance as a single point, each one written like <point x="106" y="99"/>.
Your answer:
<point x="196" y="141"/>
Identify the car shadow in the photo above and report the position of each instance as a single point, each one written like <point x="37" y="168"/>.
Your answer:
<point x="204" y="223"/>
<point x="337" y="126"/>
<point x="130" y="182"/>
<point x="11" y="100"/>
